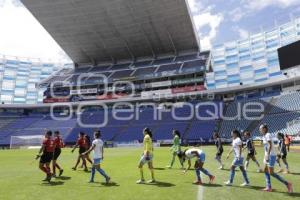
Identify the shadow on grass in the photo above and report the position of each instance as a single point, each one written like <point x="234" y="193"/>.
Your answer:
<point x="110" y="184"/>
<point x="295" y="173"/>
<point x="53" y="183"/>
<point x="97" y="184"/>
<point x="159" y="168"/>
<point x="160" y="184"/>
<point x="64" y="178"/>
<point x="211" y="185"/>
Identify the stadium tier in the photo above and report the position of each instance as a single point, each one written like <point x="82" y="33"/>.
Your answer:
<point x="276" y="113"/>
<point x="173" y="73"/>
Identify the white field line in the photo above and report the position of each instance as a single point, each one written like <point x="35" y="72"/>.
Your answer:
<point x="200" y="193"/>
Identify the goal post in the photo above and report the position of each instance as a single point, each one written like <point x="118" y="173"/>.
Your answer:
<point x="26" y="141"/>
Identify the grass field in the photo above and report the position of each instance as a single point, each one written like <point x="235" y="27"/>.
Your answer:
<point x="20" y="179"/>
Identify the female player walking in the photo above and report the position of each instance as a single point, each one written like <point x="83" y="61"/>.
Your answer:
<point x="237" y="146"/>
<point x="175" y="149"/>
<point x="270" y="159"/>
<point x="147" y="156"/>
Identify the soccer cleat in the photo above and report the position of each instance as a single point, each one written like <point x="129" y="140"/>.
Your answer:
<point x="245" y="184"/>
<point x="290" y="188"/>
<point x="151" y="181"/>
<point x="169" y="167"/>
<point x="259" y="171"/>
<point x="49" y="176"/>
<point x="211" y="179"/>
<point x="107" y="180"/>
<point x="74" y="168"/>
<point x="141" y="181"/>
<point x="228" y="183"/>
<point x="221" y="167"/>
<point x="267" y="189"/>
<point x="91" y="181"/>
<point x="197" y="183"/>
<point x="61" y="172"/>
<point x="53" y="175"/>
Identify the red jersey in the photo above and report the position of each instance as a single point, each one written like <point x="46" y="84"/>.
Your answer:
<point x="58" y="142"/>
<point x="82" y="142"/>
<point x="49" y="145"/>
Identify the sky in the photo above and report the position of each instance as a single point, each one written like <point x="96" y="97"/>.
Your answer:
<point x="217" y="21"/>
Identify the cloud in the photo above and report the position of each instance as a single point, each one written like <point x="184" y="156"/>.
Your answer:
<point x="22" y="35"/>
<point x="207" y="19"/>
<point x="259" y="5"/>
<point x="207" y="23"/>
<point x="243" y="34"/>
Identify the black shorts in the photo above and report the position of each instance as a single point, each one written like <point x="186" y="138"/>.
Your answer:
<point x="82" y="150"/>
<point x="56" y="153"/>
<point x="219" y="153"/>
<point x="46" y="157"/>
<point x="251" y="154"/>
<point x="283" y="156"/>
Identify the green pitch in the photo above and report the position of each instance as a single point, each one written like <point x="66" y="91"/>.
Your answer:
<point x="20" y="179"/>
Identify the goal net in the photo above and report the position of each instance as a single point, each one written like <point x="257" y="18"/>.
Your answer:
<point x="28" y="141"/>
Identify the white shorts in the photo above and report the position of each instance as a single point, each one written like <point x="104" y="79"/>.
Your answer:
<point x="145" y="160"/>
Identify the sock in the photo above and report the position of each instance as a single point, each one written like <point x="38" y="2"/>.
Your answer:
<point x="257" y="163"/>
<point x="245" y="176"/>
<point x="268" y="180"/>
<point x="205" y="172"/>
<point x="44" y="169"/>
<point x="152" y="174"/>
<point x="279" y="163"/>
<point x="232" y="173"/>
<point x="142" y="174"/>
<point x="286" y="165"/>
<point x="219" y="161"/>
<point x="172" y="161"/>
<point x="246" y="164"/>
<point x="57" y="166"/>
<point x="198" y="175"/>
<point x="279" y="178"/>
<point x="48" y="170"/>
<point x="93" y="174"/>
<point x="102" y="172"/>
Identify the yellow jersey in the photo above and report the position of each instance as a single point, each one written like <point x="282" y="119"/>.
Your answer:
<point x="148" y="146"/>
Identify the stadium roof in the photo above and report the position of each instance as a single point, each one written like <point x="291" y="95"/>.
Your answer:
<point x="93" y="31"/>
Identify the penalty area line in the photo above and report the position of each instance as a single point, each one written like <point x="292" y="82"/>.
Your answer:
<point x="200" y="192"/>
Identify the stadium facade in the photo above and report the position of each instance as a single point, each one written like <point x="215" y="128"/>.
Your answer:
<point x="19" y="78"/>
<point x="253" y="60"/>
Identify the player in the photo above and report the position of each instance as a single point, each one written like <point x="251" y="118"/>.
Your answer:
<point x="270" y="159"/>
<point x="287" y="141"/>
<point x="220" y="149"/>
<point x="200" y="159"/>
<point x="147" y="156"/>
<point x="82" y="144"/>
<point x="282" y="153"/>
<point x="176" y="149"/>
<point x="88" y="146"/>
<point x="58" y="142"/>
<point x="237" y="146"/>
<point x="97" y="148"/>
<point x="47" y="151"/>
<point x="251" y="151"/>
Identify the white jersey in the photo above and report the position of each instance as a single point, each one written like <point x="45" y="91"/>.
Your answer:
<point x="236" y="143"/>
<point x="98" y="153"/>
<point x="266" y="139"/>
<point x="190" y="155"/>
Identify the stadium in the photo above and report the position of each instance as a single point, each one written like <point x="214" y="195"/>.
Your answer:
<point x="140" y="81"/>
